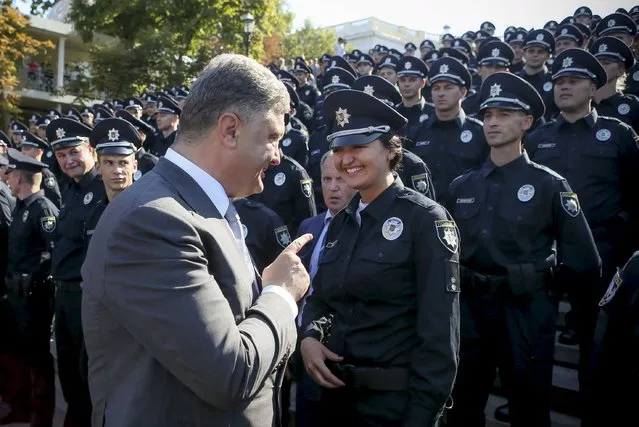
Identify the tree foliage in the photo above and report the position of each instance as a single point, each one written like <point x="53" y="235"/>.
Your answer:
<point x="309" y="42"/>
<point x="15" y="46"/>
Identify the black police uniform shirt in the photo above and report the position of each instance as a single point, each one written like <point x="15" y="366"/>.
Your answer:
<point x="288" y="190"/>
<point x="297" y="124"/>
<point x="542" y="82"/>
<point x="470" y="104"/>
<point x="294" y="144"/>
<point x="449" y="148"/>
<point x="150" y="120"/>
<point x="160" y="144"/>
<point x="92" y="220"/>
<point x="265" y="233"/>
<point x="317" y="147"/>
<point x="308" y="94"/>
<point x="146" y="162"/>
<point x="513" y="214"/>
<point x="616" y="349"/>
<point x="624" y="107"/>
<point x="31" y="236"/>
<point x="415" y="174"/>
<point x="632" y="80"/>
<point x="48" y="158"/>
<point x="415" y="114"/>
<point x="51" y="189"/>
<point x="386" y="294"/>
<point x="78" y="199"/>
<point x="516" y="67"/>
<point x="306" y="115"/>
<point x="599" y="157"/>
<point x="318" y="118"/>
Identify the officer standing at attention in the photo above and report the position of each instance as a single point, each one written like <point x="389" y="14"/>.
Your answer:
<point x="294" y="143"/>
<point x="387" y="69"/>
<point x="70" y="143"/>
<point x="34" y="147"/>
<point x="381" y="327"/>
<point x="115" y="141"/>
<point x="412" y="170"/>
<point x="306" y="92"/>
<point x="412" y="74"/>
<point x="567" y="36"/>
<point x="449" y="142"/>
<point x="616" y="350"/>
<point x="31" y="239"/>
<point x="167" y="119"/>
<point x="146" y="161"/>
<point x="518" y="221"/>
<point x="616" y="58"/>
<point x="538" y="47"/>
<point x="599" y="157"/>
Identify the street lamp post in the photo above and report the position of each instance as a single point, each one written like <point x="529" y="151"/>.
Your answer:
<point x="249" y="24"/>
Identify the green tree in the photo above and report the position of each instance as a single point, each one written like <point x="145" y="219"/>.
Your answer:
<point x="15" y="46"/>
<point x="166" y="42"/>
<point x="309" y="42"/>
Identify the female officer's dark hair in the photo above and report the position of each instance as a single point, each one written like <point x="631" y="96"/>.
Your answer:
<point x="394" y="145"/>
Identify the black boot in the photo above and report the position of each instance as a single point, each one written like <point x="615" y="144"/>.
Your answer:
<point x="502" y="413"/>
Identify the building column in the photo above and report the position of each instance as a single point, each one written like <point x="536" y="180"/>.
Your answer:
<point x="60" y="77"/>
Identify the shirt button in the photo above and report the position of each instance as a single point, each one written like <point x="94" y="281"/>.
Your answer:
<point x="380" y="255"/>
<point x="490" y="208"/>
<point x="484" y="232"/>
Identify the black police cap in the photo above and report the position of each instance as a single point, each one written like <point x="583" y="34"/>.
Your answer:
<point x="411" y="66"/>
<point x="380" y="88"/>
<point x="31" y="140"/>
<point x="517" y="36"/>
<point x="388" y="61"/>
<point x="469" y="36"/>
<point x="150" y="99"/>
<point x="487" y="26"/>
<point x="44" y="121"/>
<point x="410" y="46"/>
<point x="115" y="136"/>
<point x="449" y="70"/>
<point x="63" y="133"/>
<point x="542" y="38"/>
<point x="382" y="49"/>
<point x="569" y="31"/>
<point x="292" y="94"/>
<point x="73" y="114"/>
<point x="396" y="53"/>
<point x="325" y="58"/>
<point x="616" y="23"/>
<point x="551" y="25"/>
<point x="301" y="67"/>
<point x="584" y="30"/>
<point x="133" y="102"/>
<point x="481" y="35"/>
<point x="432" y="56"/>
<point x="579" y="63"/>
<point x="166" y="104"/>
<point x="497" y="53"/>
<point x="427" y="43"/>
<point x="634" y="11"/>
<point x="5" y="140"/>
<point x="453" y="53"/>
<point x="611" y="48"/>
<point x="357" y="118"/>
<point x="462" y="45"/>
<point x="54" y="114"/>
<point x="101" y="113"/>
<point x="181" y="93"/>
<point x="356" y="53"/>
<point x="18" y="127"/>
<point x="86" y="111"/>
<point x="338" y="61"/>
<point x="505" y="90"/>
<point x="366" y="59"/>
<point x="567" y="20"/>
<point x="448" y="37"/>
<point x="33" y="118"/>
<point x="337" y="78"/>
<point x="583" y="11"/>
<point x="140" y="125"/>
<point x="288" y="77"/>
<point x="18" y="161"/>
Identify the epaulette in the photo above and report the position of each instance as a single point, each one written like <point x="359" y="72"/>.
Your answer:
<point x="547" y="170"/>
<point x="475" y="120"/>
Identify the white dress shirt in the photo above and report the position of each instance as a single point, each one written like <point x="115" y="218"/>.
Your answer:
<point x="220" y="199"/>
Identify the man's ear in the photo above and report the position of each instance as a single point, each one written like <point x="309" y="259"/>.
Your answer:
<point x="227" y="127"/>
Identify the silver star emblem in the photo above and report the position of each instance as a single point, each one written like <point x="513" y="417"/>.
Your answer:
<point x="435" y="56"/>
<point x="567" y="62"/>
<point x="611" y="23"/>
<point x="495" y="52"/>
<point x="603" y="48"/>
<point x="456" y="42"/>
<point x="450" y="237"/>
<point x="443" y="69"/>
<point x="571" y="205"/>
<point x="408" y="65"/>
<point x="564" y="31"/>
<point x="388" y="60"/>
<point x="335" y="79"/>
<point x="520" y="36"/>
<point x="369" y="90"/>
<point x="540" y="37"/>
<point x="114" y="135"/>
<point x="342" y="116"/>
<point x="60" y="133"/>
<point x="495" y="90"/>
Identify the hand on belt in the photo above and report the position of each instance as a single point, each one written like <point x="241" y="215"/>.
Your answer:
<point x="373" y="378"/>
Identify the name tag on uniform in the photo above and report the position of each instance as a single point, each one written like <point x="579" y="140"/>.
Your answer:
<point x="467" y="200"/>
<point x="421" y="143"/>
<point x="90" y="232"/>
<point x="552" y="145"/>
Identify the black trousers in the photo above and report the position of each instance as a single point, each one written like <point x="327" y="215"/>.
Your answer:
<point x="72" y="359"/>
<point x="515" y="336"/>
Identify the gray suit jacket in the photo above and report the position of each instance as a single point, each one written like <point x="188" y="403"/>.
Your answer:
<point x="174" y="334"/>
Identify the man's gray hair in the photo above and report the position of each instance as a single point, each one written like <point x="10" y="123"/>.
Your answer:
<point x="325" y="157"/>
<point x="230" y="84"/>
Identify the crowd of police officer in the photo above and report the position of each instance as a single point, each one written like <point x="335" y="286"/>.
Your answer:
<point x="583" y="69"/>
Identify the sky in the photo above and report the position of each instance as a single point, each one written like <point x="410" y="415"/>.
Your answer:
<point x="460" y="15"/>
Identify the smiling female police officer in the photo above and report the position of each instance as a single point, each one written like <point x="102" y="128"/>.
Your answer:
<point x="382" y="325"/>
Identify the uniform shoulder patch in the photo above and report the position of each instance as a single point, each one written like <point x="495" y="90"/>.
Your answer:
<point x="49" y="182"/>
<point x="570" y="203"/>
<point x="475" y="121"/>
<point x="612" y="289"/>
<point x="283" y="236"/>
<point x="48" y="223"/>
<point x="307" y="187"/>
<point x="447" y="234"/>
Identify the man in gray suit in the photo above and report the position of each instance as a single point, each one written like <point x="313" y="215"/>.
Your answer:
<point x="178" y="329"/>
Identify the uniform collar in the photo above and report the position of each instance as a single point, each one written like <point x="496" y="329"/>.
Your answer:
<point x="459" y="120"/>
<point x="610" y="100"/>
<point x="590" y="119"/>
<point x="32" y="198"/>
<point x="87" y="179"/>
<point x="381" y="204"/>
<point x="509" y="169"/>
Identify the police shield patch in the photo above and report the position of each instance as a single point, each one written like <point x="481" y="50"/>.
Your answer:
<point x="49" y="182"/>
<point x="420" y="183"/>
<point x="612" y="290"/>
<point x="570" y="203"/>
<point x="447" y="234"/>
<point x="283" y="236"/>
<point x="48" y="223"/>
<point x="307" y="187"/>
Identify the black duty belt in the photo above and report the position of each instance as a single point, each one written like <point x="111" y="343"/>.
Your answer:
<point x="372" y="378"/>
<point x="68" y="285"/>
<point x="521" y="279"/>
